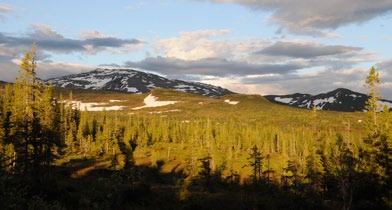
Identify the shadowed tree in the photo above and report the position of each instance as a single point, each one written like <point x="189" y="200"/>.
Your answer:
<point x="255" y="161"/>
<point x="345" y="170"/>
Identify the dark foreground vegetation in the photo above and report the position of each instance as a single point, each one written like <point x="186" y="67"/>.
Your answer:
<point x="262" y="156"/>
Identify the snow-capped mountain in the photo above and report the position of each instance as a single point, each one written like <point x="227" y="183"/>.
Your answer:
<point x="132" y="81"/>
<point x="338" y="100"/>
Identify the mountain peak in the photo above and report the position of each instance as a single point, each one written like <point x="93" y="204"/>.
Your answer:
<point x="341" y="99"/>
<point x="133" y="81"/>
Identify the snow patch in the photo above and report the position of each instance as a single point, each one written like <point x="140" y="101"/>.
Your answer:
<point x="114" y="100"/>
<point x="231" y="102"/>
<point x="132" y="89"/>
<point x="283" y="100"/>
<point x="152" y="101"/>
<point x="325" y="100"/>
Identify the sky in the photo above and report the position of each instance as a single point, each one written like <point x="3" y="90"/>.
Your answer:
<point x="248" y="46"/>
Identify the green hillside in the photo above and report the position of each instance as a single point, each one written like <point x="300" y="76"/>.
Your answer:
<point x="249" y="106"/>
<point x="235" y="152"/>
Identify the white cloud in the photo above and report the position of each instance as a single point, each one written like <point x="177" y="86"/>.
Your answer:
<point x="195" y="45"/>
<point x="41" y="31"/>
<point x="205" y="44"/>
<point x="4" y="8"/>
<point x="136" y="5"/>
<point x="92" y="34"/>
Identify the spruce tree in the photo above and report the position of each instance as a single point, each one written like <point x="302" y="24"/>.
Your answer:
<point x="314" y="169"/>
<point x="33" y="118"/>
<point x="24" y="120"/>
<point x="372" y="106"/>
<point x="255" y="161"/>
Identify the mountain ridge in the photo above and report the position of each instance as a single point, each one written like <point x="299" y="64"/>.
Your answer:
<point x="138" y="82"/>
<point x="133" y="81"/>
<point x="340" y="99"/>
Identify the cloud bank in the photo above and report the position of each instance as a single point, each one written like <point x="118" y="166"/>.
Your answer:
<point x="49" y="40"/>
<point x="312" y="17"/>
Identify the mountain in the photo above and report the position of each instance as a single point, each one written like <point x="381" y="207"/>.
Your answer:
<point x="132" y="81"/>
<point x="338" y="100"/>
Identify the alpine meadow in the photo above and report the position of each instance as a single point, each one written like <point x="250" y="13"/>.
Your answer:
<point x="233" y="152"/>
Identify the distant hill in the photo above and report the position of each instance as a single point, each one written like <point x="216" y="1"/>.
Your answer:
<point x="338" y="100"/>
<point x="132" y="81"/>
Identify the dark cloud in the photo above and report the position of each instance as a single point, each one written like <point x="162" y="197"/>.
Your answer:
<point x="49" y="44"/>
<point x="298" y="50"/>
<point x="110" y="42"/>
<point x="211" y="66"/>
<point x="49" y="40"/>
<point x="310" y="16"/>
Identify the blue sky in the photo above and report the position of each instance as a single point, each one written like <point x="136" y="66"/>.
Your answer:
<point x="248" y="46"/>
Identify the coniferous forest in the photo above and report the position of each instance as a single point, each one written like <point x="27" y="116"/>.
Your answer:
<point x="55" y="156"/>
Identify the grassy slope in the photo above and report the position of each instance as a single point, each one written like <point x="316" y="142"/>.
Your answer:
<point x="249" y="107"/>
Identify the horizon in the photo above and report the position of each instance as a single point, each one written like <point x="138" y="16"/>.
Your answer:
<point x="245" y="46"/>
<point x="151" y="72"/>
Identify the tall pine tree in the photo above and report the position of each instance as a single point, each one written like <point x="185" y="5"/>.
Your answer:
<point x="380" y="152"/>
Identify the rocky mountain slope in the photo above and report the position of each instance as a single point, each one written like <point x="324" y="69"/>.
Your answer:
<point x="132" y="81"/>
<point x="338" y="100"/>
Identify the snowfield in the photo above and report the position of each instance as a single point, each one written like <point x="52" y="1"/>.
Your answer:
<point x="93" y="106"/>
<point x="152" y="101"/>
<point x="149" y="101"/>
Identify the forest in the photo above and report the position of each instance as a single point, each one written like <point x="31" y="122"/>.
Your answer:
<point x="55" y="156"/>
